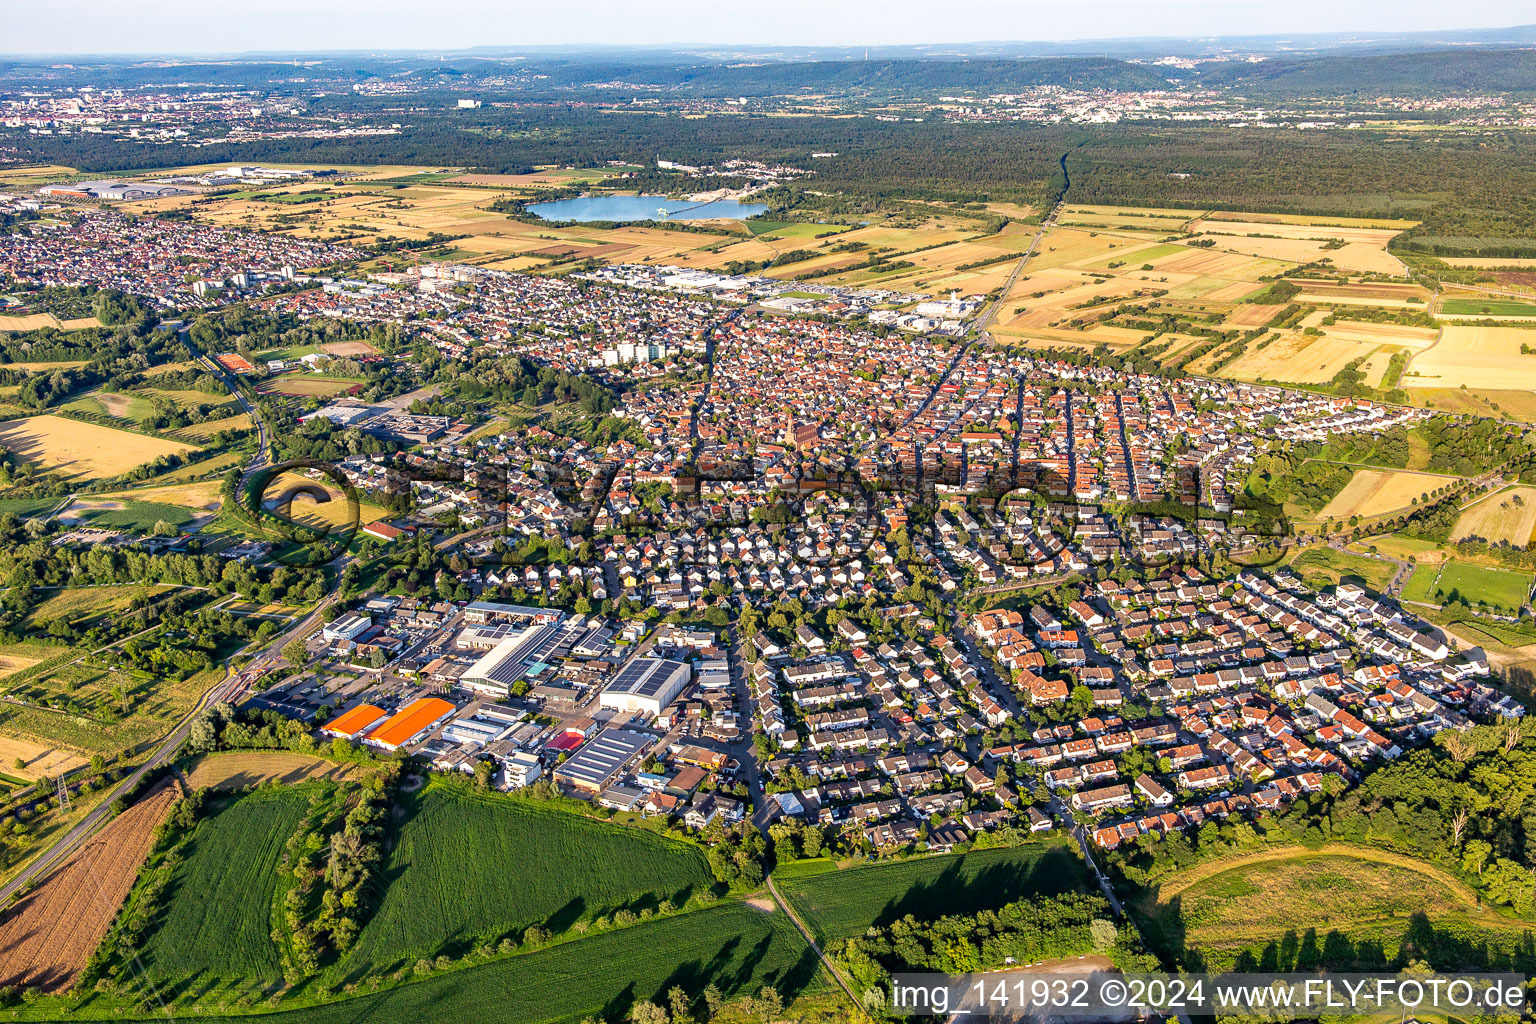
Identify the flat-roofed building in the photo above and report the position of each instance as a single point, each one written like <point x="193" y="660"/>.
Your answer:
<point x="511" y="659"/>
<point x="646" y="685"/>
<point x="345" y="628"/>
<point x="410" y="723"/>
<point x="603" y="759"/>
<point x="353" y="723"/>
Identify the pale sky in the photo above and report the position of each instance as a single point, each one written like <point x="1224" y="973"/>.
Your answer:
<point x="176" y="26"/>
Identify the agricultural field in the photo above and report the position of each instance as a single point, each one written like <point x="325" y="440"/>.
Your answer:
<point x="1376" y="492"/>
<point x="38" y="760"/>
<point x="1508" y="516"/>
<point x="243" y="769"/>
<point x="125" y="513"/>
<point x="1451" y="581"/>
<point x="1477" y="358"/>
<point x="1123" y="263"/>
<point x="841" y="903"/>
<point x="1346" y="905"/>
<point x="735" y="947"/>
<point x="32" y="321"/>
<point x="1487" y="306"/>
<point x="450" y="861"/>
<point x="217" y="927"/>
<point x="50" y="933"/>
<point x="81" y="605"/>
<point x="81" y="451"/>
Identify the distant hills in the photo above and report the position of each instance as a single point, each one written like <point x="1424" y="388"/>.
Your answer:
<point x="1445" y="71"/>
<point x="890" y="77"/>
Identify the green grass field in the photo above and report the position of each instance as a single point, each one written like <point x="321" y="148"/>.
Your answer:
<point x="1340" y="906"/>
<point x="1487" y="307"/>
<point x="1506" y="589"/>
<point x="839" y="904"/>
<point x="216" y="930"/>
<point x="1326" y="567"/>
<point x="137" y="515"/>
<point x="468" y="868"/>
<point x="734" y="947"/>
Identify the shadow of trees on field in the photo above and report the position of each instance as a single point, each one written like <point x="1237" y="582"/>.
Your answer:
<point x="1447" y="948"/>
<point x="958" y="892"/>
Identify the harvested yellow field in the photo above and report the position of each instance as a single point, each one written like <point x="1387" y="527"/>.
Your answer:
<point x="82" y="451"/>
<point x="32" y="321"/>
<point x="1251" y="315"/>
<point x="1477" y="357"/>
<point x="37" y="760"/>
<point x="1508" y="516"/>
<point x="240" y="769"/>
<point x="1297" y="358"/>
<point x="202" y="494"/>
<point x="13" y="663"/>
<point x="1253" y="226"/>
<point x="1375" y="492"/>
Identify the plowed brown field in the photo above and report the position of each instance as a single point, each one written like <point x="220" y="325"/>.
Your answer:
<point x="47" y="937"/>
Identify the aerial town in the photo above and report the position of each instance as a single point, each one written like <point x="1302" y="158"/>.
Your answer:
<point x="685" y="540"/>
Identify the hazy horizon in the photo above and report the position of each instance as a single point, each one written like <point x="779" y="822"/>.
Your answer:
<point x="158" y="27"/>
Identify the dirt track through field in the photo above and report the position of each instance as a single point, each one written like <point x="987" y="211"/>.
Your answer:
<point x="47" y="937"/>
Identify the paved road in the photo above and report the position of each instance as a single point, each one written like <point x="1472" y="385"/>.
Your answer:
<point x="229" y="689"/>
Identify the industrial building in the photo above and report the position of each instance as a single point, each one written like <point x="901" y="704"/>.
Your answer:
<point x="519" y="655"/>
<point x="116" y="191"/>
<point x="646" y="685"/>
<point x="410" y="723"/>
<point x="603" y="759"/>
<point x="345" y="628"/>
<point x="354" y="723"/>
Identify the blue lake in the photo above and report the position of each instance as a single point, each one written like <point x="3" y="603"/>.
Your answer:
<point x="630" y="208"/>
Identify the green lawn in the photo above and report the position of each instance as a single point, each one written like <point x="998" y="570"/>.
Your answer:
<point x="1506" y="589"/>
<point x="840" y="904"/>
<point x="469" y="868"/>
<point x="1326" y="567"/>
<point x="1487" y="307"/>
<point x="137" y="515"/>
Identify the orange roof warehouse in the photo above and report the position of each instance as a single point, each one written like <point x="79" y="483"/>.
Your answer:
<point x="410" y="723"/>
<point x="356" y="721"/>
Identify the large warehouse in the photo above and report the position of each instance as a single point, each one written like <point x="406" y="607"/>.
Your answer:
<point x="511" y="659"/>
<point x="603" y="759"/>
<point x="646" y="685"/>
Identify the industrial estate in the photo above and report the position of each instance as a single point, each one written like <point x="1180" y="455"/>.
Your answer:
<point x="690" y="538"/>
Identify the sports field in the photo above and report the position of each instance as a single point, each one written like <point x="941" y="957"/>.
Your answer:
<point x="82" y="451"/>
<point x="1508" y="516"/>
<point x="1505" y="589"/>
<point x="1374" y="492"/>
<point x="1342" y="905"/>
